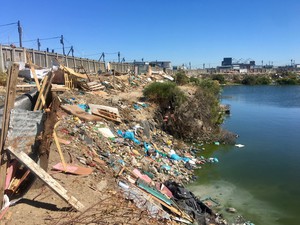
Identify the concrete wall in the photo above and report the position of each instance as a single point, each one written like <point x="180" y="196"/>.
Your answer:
<point x="121" y="67"/>
<point x="45" y="59"/>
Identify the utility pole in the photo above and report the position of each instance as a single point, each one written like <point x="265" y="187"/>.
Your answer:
<point x="20" y="33"/>
<point x="119" y="56"/>
<point x="62" y="42"/>
<point x="39" y="44"/>
<point x="72" y="51"/>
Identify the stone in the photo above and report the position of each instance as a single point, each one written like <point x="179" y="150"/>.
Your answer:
<point x="101" y="185"/>
<point x="231" y="210"/>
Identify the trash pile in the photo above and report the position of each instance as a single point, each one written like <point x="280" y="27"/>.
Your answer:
<point x="150" y="166"/>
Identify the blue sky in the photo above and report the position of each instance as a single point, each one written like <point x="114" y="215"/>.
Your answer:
<point x="182" y="31"/>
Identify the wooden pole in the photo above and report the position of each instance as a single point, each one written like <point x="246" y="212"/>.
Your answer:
<point x="8" y="105"/>
<point x="59" y="148"/>
<point x="46" y="178"/>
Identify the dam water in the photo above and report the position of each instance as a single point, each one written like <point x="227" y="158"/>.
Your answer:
<point x="262" y="179"/>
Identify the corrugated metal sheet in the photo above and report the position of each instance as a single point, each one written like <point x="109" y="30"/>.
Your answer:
<point x="24" y="127"/>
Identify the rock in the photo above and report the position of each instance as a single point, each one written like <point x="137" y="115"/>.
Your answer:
<point x="231" y="210"/>
<point x="146" y="126"/>
<point x="101" y="185"/>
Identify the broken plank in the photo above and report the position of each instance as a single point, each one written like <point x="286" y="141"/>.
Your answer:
<point x="80" y="113"/>
<point x="46" y="178"/>
<point x="41" y="95"/>
<point x="8" y="105"/>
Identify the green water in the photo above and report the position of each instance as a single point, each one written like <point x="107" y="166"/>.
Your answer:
<point x="261" y="180"/>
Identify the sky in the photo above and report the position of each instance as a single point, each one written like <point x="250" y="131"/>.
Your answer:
<point x="181" y="31"/>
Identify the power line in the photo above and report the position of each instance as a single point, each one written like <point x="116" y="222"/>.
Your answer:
<point x="8" y="24"/>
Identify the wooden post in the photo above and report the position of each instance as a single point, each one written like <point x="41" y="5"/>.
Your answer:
<point x="46" y="178"/>
<point x="8" y="105"/>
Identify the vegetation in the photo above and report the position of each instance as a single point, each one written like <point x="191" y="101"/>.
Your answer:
<point x="249" y="80"/>
<point x="165" y="94"/>
<point x="181" y="78"/>
<point x="263" y="80"/>
<point x="256" y="80"/>
<point x="288" y="81"/>
<point x="220" y="78"/>
<point x="3" y="78"/>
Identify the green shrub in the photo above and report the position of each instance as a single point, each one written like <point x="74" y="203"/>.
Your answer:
<point x="263" y="80"/>
<point x="220" y="78"/>
<point x="181" y="78"/>
<point x="164" y="94"/>
<point x="249" y="80"/>
<point x="287" y="81"/>
<point x="195" y="80"/>
<point x="210" y="86"/>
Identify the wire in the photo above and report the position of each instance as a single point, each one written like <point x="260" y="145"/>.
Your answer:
<point x="44" y="39"/>
<point x="8" y="24"/>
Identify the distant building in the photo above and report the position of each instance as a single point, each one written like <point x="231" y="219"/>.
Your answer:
<point x="227" y="62"/>
<point x="229" y="66"/>
<point x="161" y="64"/>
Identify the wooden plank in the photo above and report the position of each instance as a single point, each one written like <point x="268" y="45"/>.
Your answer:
<point x="59" y="148"/>
<point x="80" y="113"/>
<point x="8" y="105"/>
<point x="46" y="178"/>
<point x="47" y="88"/>
<point x="35" y="77"/>
<point x="37" y="104"/>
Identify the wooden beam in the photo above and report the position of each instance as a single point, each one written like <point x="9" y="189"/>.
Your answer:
<point x="37" y="104"/>
<point x="46" y="178"/>
<point x="8" y="105"/>
<point x="35" y="77"/>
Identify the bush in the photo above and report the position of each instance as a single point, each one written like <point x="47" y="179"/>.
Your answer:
<point x="263" y="80"/>
<point x="181" y="78"/>
<point x="197" y="118"/>
<point x="165" y="94"/>
<point x="287" y="81"/>
<point x="220" y="78"/>
<point x="210" y="86"/>
<point x="195" y="80"/>
<point x="249" y="80"/>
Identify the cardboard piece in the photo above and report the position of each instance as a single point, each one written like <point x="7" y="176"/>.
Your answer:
<point x="73" y="169"/>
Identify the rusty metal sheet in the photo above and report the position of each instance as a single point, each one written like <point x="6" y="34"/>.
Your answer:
<point x="24" y="127"/>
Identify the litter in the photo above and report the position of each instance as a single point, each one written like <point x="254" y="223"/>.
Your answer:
<point x="239" y="145"/>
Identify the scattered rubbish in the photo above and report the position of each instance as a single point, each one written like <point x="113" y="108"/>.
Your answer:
<point x="73" y="169"/>
<point x="106" y="132"/>
<point x="239" y="145"/>
<point x="231" y="210"/>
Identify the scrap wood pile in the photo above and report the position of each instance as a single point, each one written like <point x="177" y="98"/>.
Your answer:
<point x="150" y="166"/>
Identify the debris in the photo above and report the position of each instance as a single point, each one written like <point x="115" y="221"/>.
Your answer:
<point x="106" y="132"/>
<point x="80" y="113"/>
<point x="231" y="210"/>
<point x="239" y="145"/>
<point x="106" y="112"/>
<point x="73" y="169"/>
